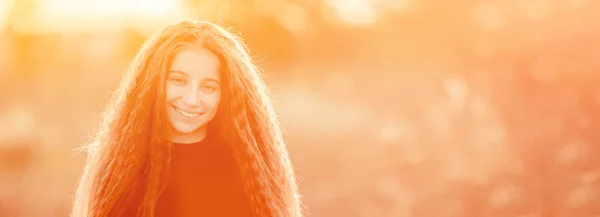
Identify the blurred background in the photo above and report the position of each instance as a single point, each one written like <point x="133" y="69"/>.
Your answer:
<point x="391" y="108"/>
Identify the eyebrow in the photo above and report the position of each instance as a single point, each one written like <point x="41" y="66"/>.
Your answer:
<point x="212" y="80"/>
<point x="178" y="71"/>
<point x="186" y="75"/>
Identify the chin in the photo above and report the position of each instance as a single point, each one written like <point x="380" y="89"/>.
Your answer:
<point x="185" y="129"/>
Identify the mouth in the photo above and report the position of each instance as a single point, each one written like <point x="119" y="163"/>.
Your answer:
<point x="187" y="114"/>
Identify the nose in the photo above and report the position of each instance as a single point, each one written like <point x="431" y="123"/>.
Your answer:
<point x="191" y="97"/>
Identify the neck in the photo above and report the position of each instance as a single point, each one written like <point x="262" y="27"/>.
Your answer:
<point x="188" y="138"/>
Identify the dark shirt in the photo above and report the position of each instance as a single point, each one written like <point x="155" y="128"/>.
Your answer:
<point x="204" y="182"/>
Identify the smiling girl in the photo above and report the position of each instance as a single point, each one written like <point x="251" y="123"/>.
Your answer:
<point x="190" y="131"/>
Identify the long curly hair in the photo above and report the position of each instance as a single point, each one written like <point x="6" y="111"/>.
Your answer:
<point x="128" y="159"/>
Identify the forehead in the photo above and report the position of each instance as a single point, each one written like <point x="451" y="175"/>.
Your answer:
<point x="197" y="63"/>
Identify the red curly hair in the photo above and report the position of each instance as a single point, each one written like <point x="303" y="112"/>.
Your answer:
<point x="129" y="157"/>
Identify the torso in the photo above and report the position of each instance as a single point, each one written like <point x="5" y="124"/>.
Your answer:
<point x="204" y="181"/>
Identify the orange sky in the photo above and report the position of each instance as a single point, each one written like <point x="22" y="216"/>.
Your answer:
<point x="80" y="15"/>
<point x="83" y="15"/>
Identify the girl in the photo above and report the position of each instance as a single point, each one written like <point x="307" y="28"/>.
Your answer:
<point x="191" y="131"/>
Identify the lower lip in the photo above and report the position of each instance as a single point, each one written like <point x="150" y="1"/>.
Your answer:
<point x="186" y="117"/>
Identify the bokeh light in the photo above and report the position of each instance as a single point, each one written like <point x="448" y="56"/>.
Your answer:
<point x="399" y="108"/>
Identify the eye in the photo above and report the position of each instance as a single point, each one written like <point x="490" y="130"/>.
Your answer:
<point x="209" y="88"/>
<point x="177" y="80"/>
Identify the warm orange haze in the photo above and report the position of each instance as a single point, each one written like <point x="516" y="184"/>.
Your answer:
<point x="390" y="108"/>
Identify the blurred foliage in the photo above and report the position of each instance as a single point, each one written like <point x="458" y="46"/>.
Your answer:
<point x="438" y="108"/>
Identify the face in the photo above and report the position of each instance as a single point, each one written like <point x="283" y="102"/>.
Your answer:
<point x="193" y="91"/>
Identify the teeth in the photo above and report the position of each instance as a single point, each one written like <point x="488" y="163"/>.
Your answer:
<point x="187" y="114"/>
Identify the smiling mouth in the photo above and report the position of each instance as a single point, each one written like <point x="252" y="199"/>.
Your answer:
<point x="187" y="114"/>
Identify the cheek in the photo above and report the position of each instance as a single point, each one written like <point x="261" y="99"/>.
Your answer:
<point x="213" y="101"/>
<point x="170" y="92"/>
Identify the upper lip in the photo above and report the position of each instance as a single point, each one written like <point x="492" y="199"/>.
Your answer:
<point x="188" y="111"/>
